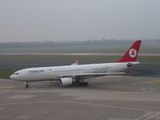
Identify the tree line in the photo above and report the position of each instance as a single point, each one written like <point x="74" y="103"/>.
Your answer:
<point x="104" y="42"/>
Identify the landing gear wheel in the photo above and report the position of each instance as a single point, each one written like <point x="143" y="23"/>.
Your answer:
<point x="26" y="83"/>
<point x="27" y="86"/>
<point x="83" y="83"/>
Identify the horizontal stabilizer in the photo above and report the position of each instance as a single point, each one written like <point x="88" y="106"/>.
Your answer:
<point x="129" y="71"/>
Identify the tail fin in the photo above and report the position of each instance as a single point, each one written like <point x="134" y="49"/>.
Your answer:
<point x="132" y="53"/>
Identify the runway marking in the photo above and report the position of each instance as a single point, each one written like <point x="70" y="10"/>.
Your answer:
<point x="100" y="104"/>
<point x="144" y="115"/>
<point x="153" y="116"/>
<point x="32" y="88"/>
<point x="122" y="96"/>
<point x="146" y="90"/>
<point x="158" y="118"/>
<point x="152" y="89"/>
<point x="6" y="87"/>
<point x="21" y="96"/>
<point x="157" y="80"/>
<point x="142" y="89"/>
<point x="90" y="105"/>
<point x="73" y="102"/>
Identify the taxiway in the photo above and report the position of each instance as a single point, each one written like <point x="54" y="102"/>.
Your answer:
<point x="131" y="97"/>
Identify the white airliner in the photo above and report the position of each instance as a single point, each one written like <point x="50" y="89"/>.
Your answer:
<point x="75" y="73"/>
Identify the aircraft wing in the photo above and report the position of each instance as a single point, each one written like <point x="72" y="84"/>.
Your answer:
<point x="96" y="74"/>
<point x="92" y="74"/>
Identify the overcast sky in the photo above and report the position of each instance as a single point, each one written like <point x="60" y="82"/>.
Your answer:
<point x="62" y="20"/>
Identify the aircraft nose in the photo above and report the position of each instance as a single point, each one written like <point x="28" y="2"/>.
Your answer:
<point x="12" y="76"/>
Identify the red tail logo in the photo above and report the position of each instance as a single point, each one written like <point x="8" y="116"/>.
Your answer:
<point x="132" y="53"/>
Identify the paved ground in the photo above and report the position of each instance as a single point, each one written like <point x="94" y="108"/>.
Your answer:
<point x="132" y="97"/>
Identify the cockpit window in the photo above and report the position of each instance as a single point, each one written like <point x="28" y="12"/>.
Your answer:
<point x="16" y="73"/>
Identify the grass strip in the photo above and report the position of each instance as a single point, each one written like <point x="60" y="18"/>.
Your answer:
<point x="5" y="73"/>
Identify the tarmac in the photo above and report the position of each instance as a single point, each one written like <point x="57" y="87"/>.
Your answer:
<point x="134" y="96"/>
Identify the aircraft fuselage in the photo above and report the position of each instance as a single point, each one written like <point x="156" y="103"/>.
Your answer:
<point x="51" y="73"/>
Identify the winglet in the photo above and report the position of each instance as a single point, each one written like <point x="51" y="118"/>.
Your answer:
<point x="75" y="63"/>
<point x="132" y="53"/>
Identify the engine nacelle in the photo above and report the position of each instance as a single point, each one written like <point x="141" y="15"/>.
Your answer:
<point x="66" y="81"/>
<point x="129" y="65"/>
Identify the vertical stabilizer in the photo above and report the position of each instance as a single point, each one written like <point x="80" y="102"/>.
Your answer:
<point x="132" y="53"/>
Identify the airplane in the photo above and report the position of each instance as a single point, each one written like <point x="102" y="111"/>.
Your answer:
<point x="69" y="74"/>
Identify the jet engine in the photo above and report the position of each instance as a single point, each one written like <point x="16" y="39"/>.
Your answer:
<point x="129" y="65"/>
<point x="66" y="81"/>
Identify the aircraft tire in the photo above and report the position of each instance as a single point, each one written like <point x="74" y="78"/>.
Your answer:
<point x="85" y="83"/>
<point x="27" y="86"/>
<point x="81" y="84"/>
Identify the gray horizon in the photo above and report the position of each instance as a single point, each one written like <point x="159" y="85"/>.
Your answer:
<point x="80" y="20"/>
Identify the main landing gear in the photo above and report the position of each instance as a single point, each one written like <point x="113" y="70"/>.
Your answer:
<point x="26" y="84"/>
<point x="80" y="81"/>
<point x="83" y="83"/>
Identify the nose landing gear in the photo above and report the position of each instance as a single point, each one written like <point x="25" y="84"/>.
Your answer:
<point x="26" y="84"/>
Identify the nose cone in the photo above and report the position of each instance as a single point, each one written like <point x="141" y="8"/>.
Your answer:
<point x="12" y="77"/>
